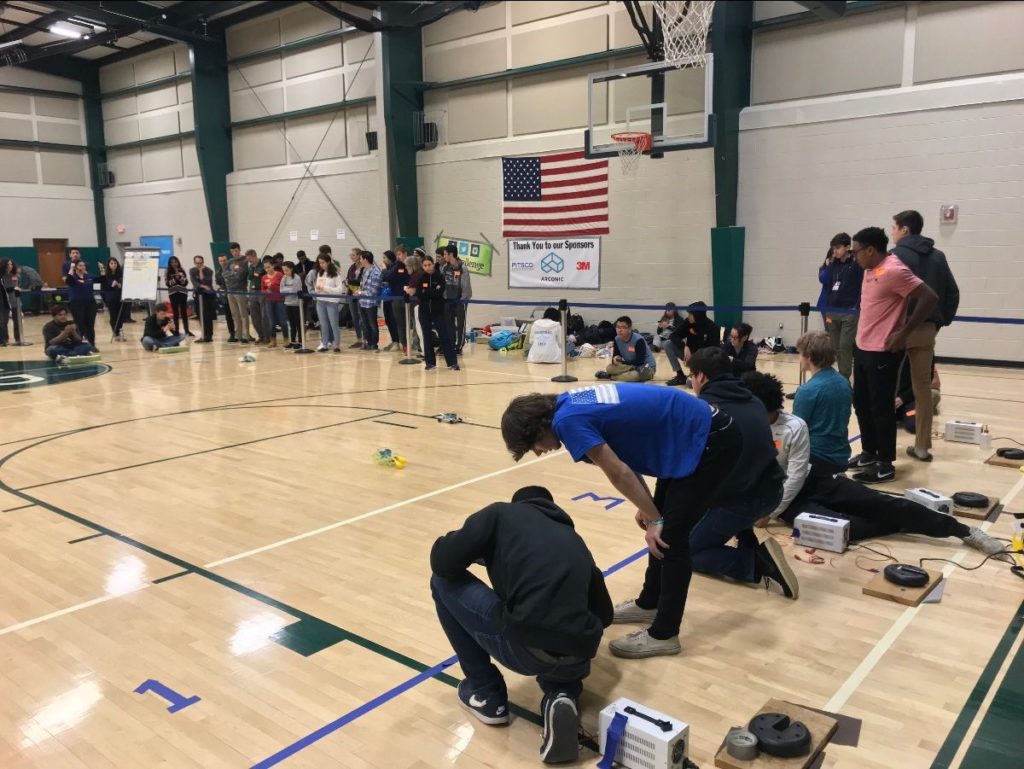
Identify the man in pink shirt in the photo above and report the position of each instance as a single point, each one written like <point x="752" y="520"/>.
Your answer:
<point x="881" y="337"/>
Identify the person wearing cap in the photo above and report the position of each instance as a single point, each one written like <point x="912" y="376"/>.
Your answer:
<point x="543" y="614"/>
<point x="841" y="278"/>
<point x="698" y="332"/>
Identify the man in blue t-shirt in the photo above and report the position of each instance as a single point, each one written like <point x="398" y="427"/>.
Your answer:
<point x="633" y="359"/>
<point x="824" y="402"/>
<point x="630" y="431"/>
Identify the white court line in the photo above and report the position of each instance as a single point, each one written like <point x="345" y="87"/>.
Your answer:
<point x="378" y="511"/>
<point x="70" y="609"/>
<point x="863" y="670"/>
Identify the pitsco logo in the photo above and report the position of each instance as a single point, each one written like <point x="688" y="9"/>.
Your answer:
<point x="552" y="263"/>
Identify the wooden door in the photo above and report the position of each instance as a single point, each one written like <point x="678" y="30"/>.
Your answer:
<point x="51" y="253"/>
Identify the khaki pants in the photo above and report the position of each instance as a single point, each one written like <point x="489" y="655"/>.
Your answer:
<point x="843" y="330"/>
<point x="920" y="355"/>
<point x="239" y="307"/>
<point x="623" y="373"/>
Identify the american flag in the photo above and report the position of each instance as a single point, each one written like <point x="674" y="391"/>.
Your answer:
<point x="591" y="396"/>
<point x="561" y="194"/>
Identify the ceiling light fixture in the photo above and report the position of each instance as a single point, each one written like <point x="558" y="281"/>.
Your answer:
<point x="66" y="29"/>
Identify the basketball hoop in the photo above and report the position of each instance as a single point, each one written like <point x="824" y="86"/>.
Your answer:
<point x="684" y="28"/>
<point x="631" y="145"/>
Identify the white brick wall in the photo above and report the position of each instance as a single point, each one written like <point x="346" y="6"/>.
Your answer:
<point x="801" y="184"/>
<point x="659" y="248"/>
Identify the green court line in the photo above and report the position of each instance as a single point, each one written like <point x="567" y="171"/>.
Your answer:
<point x="970" y="710"/>
<point x="999" y="741"/>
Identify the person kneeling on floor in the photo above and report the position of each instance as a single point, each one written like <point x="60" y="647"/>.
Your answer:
<point x="543" y="616"/>
<point x="809" y="489"/>
<point x="752" y="488"/>
<point x="155" y="333"/>
<point x="61" y="337"/>
<point x="632" y="359"/>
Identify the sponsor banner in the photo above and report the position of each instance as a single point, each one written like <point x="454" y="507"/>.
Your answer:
<point x="476" y="256"/>
<point x="572" y="263"/>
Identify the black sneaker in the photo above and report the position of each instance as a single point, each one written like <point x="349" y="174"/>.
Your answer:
<point x="232" y="340"/>
<point x="603" y="375"/>
<point x="877" y="473"/>
<point x="491" y="710"/>
<point x="454" y="368"/>
<point x="429" y="366"/>
<point x="677" y="381"/>
<point x="560" y="743"/>
<point x="862" y="460"/>
<point x="772" y="566"/>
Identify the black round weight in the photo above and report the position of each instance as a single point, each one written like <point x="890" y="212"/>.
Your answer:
<point x="970" y="499"/>
<point x="778" y="736"/>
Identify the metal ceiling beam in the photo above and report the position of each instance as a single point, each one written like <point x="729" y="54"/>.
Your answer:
<point x="825" y="9"/>
<point x="366" y="25"/>
<point x="127" y="15"/>
<point x="26" y="28"/>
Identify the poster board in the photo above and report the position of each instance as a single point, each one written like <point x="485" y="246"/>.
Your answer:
<point x="141" y="274"/>
<point x="164" y="243"/>
<point x="564" y="262"/>
<point x="476" y="256"/>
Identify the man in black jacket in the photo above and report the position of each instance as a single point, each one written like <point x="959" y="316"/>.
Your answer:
<point x="930" y="265"/>
<point x="543" y="616"/>
<point x="428" y="287"/>
<point x="695" y="334"/>
<point x="752" y="490"/>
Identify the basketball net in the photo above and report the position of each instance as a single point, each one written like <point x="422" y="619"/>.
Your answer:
<point x="684" y="27"/>
<point x="631" y="145"/>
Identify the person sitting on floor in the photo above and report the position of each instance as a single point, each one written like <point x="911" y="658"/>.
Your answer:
<point x="741" y="351"/>
<point x="155" y="333"/>
<point x="545" y="339"/>
<point x="670" y="321"/>
<point x="61" y="337"/>
<point x="752" y="488"/>
<point x="695" y="334"/>
<point x="824" y="402"/>
<point x="809" y="490"/>
<point x="542" y="615"/>
<point x="632" y="358"/>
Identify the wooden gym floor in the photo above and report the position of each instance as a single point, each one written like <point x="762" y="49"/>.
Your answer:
<point x="221" y="528"/>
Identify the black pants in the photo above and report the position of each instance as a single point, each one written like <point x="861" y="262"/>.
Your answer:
<point x="206" y="306"/>
<point x="84" y="315"/>
<point x="876" y="375"/>
<point x="455" y="319"/>
<point x="294" y="326"/>
<point x="429" y="322"/>
<point x="871" y="513"/>
<point x="116" y="312"/>
<point x="371" y="331"/>
<point x="683" y="502"/>
<point x="389" y="320"/>
<point x="179" y="309"/>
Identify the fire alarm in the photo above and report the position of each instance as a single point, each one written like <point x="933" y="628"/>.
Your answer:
<point x="948" y="213"/>
<point x="121" y="229"/>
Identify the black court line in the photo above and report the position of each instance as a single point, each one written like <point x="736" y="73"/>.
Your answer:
<point x="342" y="406"/>
<point x="394" y="424"/>
<point x="169" y="577"/>
<point x="85" y="539"/>
<point x="203" y="451"/>
<point x="20" y="507"/>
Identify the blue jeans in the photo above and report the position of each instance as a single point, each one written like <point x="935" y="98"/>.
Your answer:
<point x="83" y="348"/>
<point x="371" y="331"/>
<point x="711" y="554"/>
<point x="327" y="312"/>
<point x="168" y="341"/>
<point x="275" y="315"/>
<point x="466" y="608"/>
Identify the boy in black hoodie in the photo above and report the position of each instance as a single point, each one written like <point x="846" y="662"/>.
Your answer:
<point x="752" y="490"/>
<point x="695" y="334"/>
<point x="543" y="616"/>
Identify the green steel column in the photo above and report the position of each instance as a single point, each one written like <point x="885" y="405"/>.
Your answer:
<point x="402" y="63"/>
<point x="731" y="27"/>
<point x="212" y="109"/>
<point x="97" y="148"/>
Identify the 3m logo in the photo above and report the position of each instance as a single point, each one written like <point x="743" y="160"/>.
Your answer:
<point x="612" y="501"/>
<point x="582" y="266"/>
<point x="552" y="263"/>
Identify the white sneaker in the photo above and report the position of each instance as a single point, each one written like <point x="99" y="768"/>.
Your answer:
<point x="628" y="611"/>
<point x="979" y="540"/>
<point x="640" y="644"/>
<point x="321" y="348"/>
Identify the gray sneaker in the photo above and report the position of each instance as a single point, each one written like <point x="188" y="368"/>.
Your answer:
<point x="628" y="611"/>
<point x="979" y="540"/>
<point x="640" y="644"/>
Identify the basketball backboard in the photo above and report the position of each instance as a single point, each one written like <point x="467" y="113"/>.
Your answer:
<point x="622" y="100"/>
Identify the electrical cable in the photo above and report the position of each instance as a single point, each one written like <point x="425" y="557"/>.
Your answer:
<point x="309" y="165"/>
<point x="976" y="566"/>
<point x="1007" y="438"/>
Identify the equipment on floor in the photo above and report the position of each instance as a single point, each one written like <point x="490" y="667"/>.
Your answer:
<point x="962" y="431"/>
<point x="449" y="417"/>
<point x="1010" y="453"/>
<point x="932" y="500"/>
<point x="388" y="458"/>
<point x="905" y="575"/>
<point x="970" y="499"/>
<point x="247" y="358"/>
<point x="648" y="740"/>
<point x="778" y="735"/>
<point x="741" y="744"/>
<point x="821" y="531"/>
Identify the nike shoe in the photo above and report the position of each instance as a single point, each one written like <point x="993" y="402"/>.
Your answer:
<point x="773" y="567"/>
<point x="862" y="460"/>
<point x="490" y="709"/>
<point x="877" y="473"/>
<point x="560" y="742"/>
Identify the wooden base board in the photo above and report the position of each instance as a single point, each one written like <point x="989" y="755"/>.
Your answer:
<point x="820" y="726"/>
<point x="173" y="350"/>
<point x="83" y="360"/>
<point x="999" y="461"/>
<point x="880" y="587"/>
<point x="977" y="513"/>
